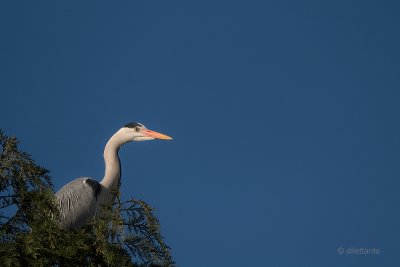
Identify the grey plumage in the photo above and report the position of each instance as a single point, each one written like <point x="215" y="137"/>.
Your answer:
<point x="78" y="202"/>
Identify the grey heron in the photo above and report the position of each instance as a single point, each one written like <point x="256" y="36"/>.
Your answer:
<point x="80" y="200"/>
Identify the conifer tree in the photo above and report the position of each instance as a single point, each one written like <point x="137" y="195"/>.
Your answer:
<point x="126" y="234"/>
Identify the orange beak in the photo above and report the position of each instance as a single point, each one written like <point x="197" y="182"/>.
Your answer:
<point x="154" y="134"/>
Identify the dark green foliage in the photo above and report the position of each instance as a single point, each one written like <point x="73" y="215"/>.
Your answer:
<point x="127" y="233"/>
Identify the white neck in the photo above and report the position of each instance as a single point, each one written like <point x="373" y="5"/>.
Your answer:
<point x="111" y="159"/>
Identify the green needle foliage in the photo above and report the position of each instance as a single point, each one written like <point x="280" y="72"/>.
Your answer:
<point x="126" y="234"/>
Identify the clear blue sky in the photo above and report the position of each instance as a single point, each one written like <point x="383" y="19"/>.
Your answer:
<point x="285" y="118"/>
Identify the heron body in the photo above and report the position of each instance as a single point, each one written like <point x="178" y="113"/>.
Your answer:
<point x="80" y="200"/>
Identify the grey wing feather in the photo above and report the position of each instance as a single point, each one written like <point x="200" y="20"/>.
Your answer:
<point x="78" y="202"/>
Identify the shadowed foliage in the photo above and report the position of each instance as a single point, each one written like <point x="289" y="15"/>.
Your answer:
<point x="126" y="234"/>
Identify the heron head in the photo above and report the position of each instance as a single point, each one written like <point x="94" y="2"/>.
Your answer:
<point x="139" y="132"/>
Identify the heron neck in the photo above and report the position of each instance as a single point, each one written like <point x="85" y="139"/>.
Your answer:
<point x="113" y="167"/>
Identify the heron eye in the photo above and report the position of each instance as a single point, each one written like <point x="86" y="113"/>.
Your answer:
<point x="137" y="129"/>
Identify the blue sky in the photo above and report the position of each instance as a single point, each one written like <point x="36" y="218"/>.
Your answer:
<point x="284" y="116"/>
